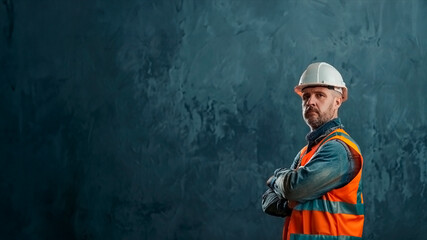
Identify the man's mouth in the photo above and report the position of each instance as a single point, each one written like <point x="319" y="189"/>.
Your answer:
<point x="310" y="111"/>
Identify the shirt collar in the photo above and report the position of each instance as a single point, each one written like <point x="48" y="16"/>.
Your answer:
<point x="317" y="135"/>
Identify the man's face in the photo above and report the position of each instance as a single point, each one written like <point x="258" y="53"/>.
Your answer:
<point x="319" y="105"/>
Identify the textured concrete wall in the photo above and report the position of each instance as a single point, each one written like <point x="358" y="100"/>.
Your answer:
<point x="163" y="119"/>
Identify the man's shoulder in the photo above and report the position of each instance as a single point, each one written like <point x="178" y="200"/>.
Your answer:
<point x="334" y="146"/>
<point x="341" y="136"/>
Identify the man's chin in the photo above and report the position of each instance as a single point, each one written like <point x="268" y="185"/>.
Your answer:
<point x="311" y="118"/>
<point x="312" y="122"/>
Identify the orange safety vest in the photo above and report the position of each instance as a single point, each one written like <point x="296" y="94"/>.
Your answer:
<point x="339" y="214"/>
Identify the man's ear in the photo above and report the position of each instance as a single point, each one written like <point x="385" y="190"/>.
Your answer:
<point x="338" y="101"/>
<point x="337" y="98"/>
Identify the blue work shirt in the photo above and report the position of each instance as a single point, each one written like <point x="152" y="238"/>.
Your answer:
<point x="332" y="166"/>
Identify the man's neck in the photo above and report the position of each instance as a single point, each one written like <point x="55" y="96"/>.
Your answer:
<point x="317" y="134"/>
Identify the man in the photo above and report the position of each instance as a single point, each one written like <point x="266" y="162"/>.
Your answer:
<point x="321" y="194"/>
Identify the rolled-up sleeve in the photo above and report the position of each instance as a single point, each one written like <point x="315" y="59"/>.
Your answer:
<point x="330" y="167"/>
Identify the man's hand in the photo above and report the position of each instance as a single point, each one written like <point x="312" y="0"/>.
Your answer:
<point x="277" y="173"/>
<point x="270" y="182"/>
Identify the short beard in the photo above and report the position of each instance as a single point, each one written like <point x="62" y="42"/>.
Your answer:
<point x="315" y="123"/>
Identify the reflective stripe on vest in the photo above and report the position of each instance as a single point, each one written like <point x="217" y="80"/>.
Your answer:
<point x="339" y="214"/>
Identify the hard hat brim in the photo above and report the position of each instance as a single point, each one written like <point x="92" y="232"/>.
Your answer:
<point x="298" y="89"/>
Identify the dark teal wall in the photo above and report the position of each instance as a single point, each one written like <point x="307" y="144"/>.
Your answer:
<point x="163" y="119"/>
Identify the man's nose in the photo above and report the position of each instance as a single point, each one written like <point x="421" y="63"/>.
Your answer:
<point x="310" y="101"/>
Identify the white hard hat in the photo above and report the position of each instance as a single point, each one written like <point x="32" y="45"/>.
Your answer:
<point x="322" y="74"/>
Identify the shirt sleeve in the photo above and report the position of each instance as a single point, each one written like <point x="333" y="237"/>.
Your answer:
<point x="330" y="167"/>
